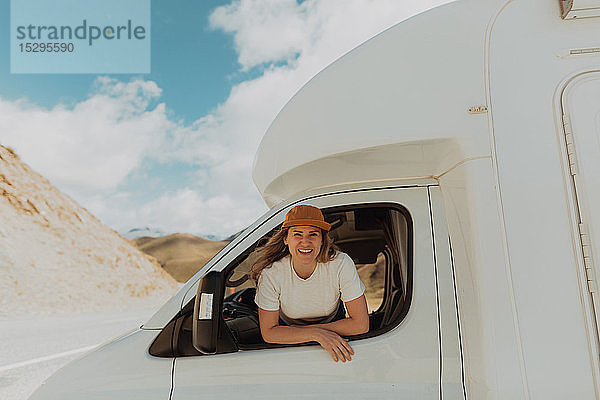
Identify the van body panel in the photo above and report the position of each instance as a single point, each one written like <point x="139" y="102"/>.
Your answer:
<point x="491" y="345"/>
<point x="402" y="362"/>
<point x="452" y="374"/>
<point x="549" y="310"/>
<point x="418" y="160"/>
<point x="122" y="369"/>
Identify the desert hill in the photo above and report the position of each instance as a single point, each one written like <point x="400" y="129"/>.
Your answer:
<point x="55" y="257"/>
<point x="373" y="276"/>
<point x="180" y="254"/>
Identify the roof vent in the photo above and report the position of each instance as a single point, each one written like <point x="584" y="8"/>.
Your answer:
<point x="574" y="9"/>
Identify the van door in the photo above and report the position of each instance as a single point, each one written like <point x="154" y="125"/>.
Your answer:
<point x="403" y="362"/>
<point x="580" y="102"/>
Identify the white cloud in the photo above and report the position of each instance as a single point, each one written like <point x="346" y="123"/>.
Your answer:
<point x="265" y="30"/>
<point x="90" y="149"/>
<point x="224" y="214"/>
<point x="94" y="145"/>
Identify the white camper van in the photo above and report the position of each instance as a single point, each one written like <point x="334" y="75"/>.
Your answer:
<point x="460" y="152"/>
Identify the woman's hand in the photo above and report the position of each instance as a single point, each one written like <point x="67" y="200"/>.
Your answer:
<point x="334" y="344"/>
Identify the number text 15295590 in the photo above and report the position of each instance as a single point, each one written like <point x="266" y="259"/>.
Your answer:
<point x="48" y="47"/>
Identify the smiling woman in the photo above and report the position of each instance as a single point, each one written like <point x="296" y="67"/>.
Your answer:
<point x="302" y="280"/>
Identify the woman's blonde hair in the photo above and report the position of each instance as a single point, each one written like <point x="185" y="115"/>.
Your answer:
<point x="275" y="249"/>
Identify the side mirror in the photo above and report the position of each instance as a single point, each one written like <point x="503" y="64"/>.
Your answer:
<point x="210" y="334"/>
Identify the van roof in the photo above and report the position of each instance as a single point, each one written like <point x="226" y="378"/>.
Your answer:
<point x="395" y="107"/>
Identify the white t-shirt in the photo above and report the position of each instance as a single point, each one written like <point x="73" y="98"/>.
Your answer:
<point x="311" y="300"/>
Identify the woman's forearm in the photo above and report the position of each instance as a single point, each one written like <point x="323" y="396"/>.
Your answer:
<point x="308" y="333"/>
<point x="288" y="334"/>
<point x="347" y="326"/>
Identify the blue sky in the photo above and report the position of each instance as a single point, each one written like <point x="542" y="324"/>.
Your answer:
<point x="173" y="149"/>
<point x="178" y="53"/>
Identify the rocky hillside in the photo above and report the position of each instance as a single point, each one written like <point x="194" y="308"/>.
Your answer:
<point x="55" y="257"/>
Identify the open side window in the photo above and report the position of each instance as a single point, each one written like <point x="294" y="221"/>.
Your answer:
<point x="378" y="237"/>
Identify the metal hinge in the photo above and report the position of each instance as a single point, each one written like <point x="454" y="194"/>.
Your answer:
<point x="584" y="237"/>
<point x="570" y="145"/>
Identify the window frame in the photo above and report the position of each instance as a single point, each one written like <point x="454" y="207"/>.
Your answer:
<point x="167" y="342"/>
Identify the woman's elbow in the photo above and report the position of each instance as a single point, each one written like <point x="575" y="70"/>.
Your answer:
<point x="268" y="336"/>
<point x="364" y="327"/>
<point x="269" y="339"/>
<point x="361" y="326"/>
